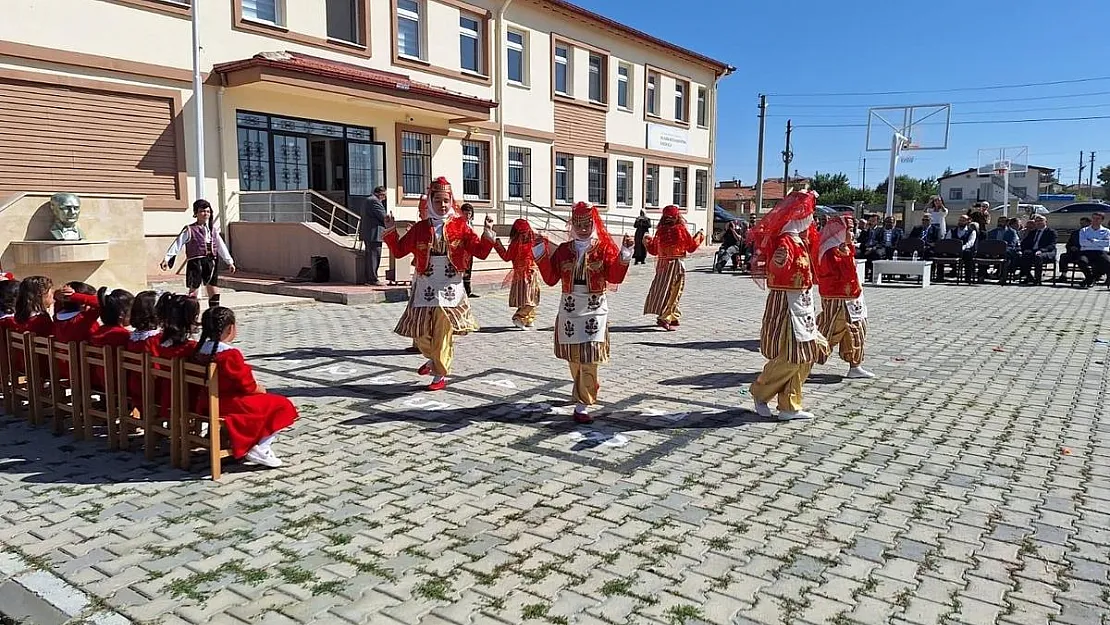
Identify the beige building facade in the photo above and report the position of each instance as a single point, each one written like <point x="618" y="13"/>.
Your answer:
<point x="515" y="101"/>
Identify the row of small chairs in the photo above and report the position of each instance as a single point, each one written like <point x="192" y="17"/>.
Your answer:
<point x="43" y="392"/>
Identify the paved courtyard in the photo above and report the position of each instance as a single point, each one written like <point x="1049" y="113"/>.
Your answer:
<point x="968" y="483"/>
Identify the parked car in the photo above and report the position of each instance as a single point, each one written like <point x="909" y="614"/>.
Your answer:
<point x="1025" y="209"/>
<point x="1083" y="207"/>
<point x="1066" y="218"/>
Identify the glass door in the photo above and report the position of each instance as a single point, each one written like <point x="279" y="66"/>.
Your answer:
<point x="290" y="162"/>
<point x="366" y="169"/>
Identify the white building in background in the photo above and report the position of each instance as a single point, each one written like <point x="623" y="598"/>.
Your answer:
<point x="962" y="189"/>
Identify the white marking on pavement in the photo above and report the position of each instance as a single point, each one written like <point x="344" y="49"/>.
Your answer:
<point x="425" y="404"/>
<point x="501" y="383"/>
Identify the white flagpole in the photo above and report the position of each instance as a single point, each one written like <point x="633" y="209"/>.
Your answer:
<point x="198" y="102"/>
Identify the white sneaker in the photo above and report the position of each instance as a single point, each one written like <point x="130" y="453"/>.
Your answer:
<point x="859" y="373"/>
<point x="530" y="326"/>
<point x="792" y="415"/>
<point x="519" y="324"/>
<point x="763" y="409"/>
<point x="264" y="457"/>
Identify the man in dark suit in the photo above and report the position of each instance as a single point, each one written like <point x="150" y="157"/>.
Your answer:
<point x="371" y="229"/>
<point x="879" y="242"/>
<point x="1037" y="248"/>
<point x="928" y="233"/>
<point x="1072" y="254"/>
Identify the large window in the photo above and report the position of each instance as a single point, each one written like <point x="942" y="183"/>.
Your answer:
<point x="624" y="85"/>
<point x="564" y="178"/>
<point x="562" y="70"/>
<point x="651" y="94"/>
<point x="680" y="89"/>
<point x="703" y="108"/>
<point x="680" y="178"/>
<point x="651" y="185"/>
<point x="598" y="181"/>
<point x="269" y="11"/>
<point x="517" y="57"/>
<point x="475" y="170"/>
<point x="470" y="43"/>
<point x="408" y="29"/>
<point x="345" y="20"/>
<point x="597" y="78"/>
<point x="624" y="183"/>
<point x="701" y="188"/>
<point x="416" y="163"/>
<point x="956" y="193"/>
<point x="520" y="173"/>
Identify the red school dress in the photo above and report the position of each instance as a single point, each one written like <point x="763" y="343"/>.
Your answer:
<point x="249" y="416"/>
<point x="39" y="325"/>
<point x="106" y="336"/>
<point x="170" y="351"/>
<point x="77" y="326"/>
<point x="140" y="342"/>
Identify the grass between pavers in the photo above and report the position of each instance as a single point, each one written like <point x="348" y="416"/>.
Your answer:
<point x="190" y="587"/>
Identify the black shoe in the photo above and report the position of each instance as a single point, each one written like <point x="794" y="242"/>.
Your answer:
<point x="472" y="295"/>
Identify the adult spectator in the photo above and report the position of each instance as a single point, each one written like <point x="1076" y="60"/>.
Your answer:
<point x="733" y="236"/>
<point x="1072" y="254"/>
<point x="1094" y="243"/>
<point x="642" y="225"/>
<point x="966" y="232"/>
<point x="371" y="229"/>
<point x="869" y="224"/>
<point x="880" y="242"/>
<point x="938" y="214"/>
<point x="928" y="233"/>
<point x="980" y="213"/>
<point x="1003" y="232"/>
<point x="1037" y="248"/>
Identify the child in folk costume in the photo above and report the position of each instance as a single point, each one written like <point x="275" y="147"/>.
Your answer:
<point x="204" y="249"/>
<point x="843" y="318"/>
<point x="586" y="265"/>
<point x="524" y="282"/>
<point x="671" y="243"/>
<point x="442" y="244"/>
<point x="251" y="415"/>
<point x="785" y="245"/>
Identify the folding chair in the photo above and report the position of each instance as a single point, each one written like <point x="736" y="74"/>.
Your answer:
<point x="993" y="253"/>
<point x="200" y="391"/>
<point x="100" y="400"/>
<point x="131" y="385"/>
<point x="949" y="252"/>
<point x="23" y="380"/>
<point x="160" y="408"/>
<point x="41" y="369"/>
<point x="7" y="381"/>
<point x="66" y="389"/>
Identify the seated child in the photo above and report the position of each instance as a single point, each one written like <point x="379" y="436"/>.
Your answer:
<point x="145" y="337"/>
<point x="251" y="415"/>
<point x="179" y="316"/>
<point x="115" y="311"/>
<point x="9" y="289"/>
<point x="76" y="310"/>
<point x="32" y="305"/>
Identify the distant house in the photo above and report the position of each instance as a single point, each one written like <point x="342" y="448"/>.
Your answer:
<point x="962" y="189"/>
<point x="738" y="199"/>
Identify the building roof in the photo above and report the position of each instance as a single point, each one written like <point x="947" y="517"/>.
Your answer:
<point x="974" y="170"/>
<point x="772" y="190"/>
<point x="719" y="67"/>
<point x="326" y="68"/>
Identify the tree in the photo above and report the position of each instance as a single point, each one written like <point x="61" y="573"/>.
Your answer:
<point x="825" y="184"/>
<point x="1104" y="178"/>
<point x="947" y="172"/>
<point x="908" y="188"/>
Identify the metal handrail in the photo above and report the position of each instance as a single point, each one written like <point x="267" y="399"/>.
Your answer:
<point x="616" y="224"/>
<point x="299" y="206"/>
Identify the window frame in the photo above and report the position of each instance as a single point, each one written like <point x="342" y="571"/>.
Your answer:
<point x="360" y="37"/>
<point x="629" y="174"/>
<point x="684" y="181"/>
<point x="425" y="159"/>
<point x="651" y="94"/>
<point x="478" y="36"/>
<point x="525" y="167"/>
<point x="483" y="169"/>
<point x="602" y="183"/>
<point x="522" y="49"/>
<point x="956" y="194"/>
<point x="601" y="76"/>
<point x="421" y="38"/>
<point x="701" y="188"/>
<point x="624" y="85"/>
<point x="568" y="75"/>
<point x="279" y="13"/>
<point x="703" y="107"/>
<point x="651" y="185"/>
<point x="682" y="94"/>
<point x="568" y="170"/>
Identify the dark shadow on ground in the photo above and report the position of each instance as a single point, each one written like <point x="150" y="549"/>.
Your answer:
<point x="635" y="329"/>
<point x="327" y="352"/>
<point x="707" y="381"/>
<point x="751" y="345"/>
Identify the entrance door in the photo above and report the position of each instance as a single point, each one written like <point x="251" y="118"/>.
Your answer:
<point x="366" y="168"/>
<point x="290" y="163"/>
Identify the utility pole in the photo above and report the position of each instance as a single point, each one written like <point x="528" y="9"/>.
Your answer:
<point x="759" y="158"/>
<point x="787" y="157"/>
<point x="1082" y="167"/>
<point x="864" y="182"/>
<point x="1091" y="177"/>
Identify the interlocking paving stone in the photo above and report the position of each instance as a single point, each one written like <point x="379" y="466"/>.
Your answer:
<point x="938" y="493"/>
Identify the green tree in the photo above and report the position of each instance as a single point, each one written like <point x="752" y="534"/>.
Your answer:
<point x="908" y="188"/>
<point x="947" y="172"/>
<point x="1104" y="178"/>
<point x="825" y="184"/>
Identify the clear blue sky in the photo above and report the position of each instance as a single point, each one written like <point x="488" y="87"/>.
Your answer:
<point x="851" y="46"/>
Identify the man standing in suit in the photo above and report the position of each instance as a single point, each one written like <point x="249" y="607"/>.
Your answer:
<point x="928" y="233"/>
<point x="371" y="229"/>
<point x="1038" y="248"/>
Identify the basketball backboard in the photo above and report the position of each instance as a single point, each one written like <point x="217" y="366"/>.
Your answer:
<point x="996" y="161"/>
<point x="919" y="127"/>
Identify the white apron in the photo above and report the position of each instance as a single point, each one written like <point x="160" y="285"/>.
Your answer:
<point x="582" y="317"/>
<point x="803" y="317"/>
<point x="857" y="309"/>
<point x="443" y="288"/>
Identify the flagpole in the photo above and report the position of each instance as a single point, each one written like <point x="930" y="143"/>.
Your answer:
<point x="198" y="102"/>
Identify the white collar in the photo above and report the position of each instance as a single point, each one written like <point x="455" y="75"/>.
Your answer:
<point x="7" y="316"/>
<point x="142" y="335"/>
<point x="208" y="345"/>
<point x="66" y="316"/>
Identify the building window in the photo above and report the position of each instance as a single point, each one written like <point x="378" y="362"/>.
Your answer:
<point x="408" y="29"/>
<point x="470" y="44"/>
<point x="651" y="94"/>
<point x="624" y="183"/>
<point x="651" y="185"/>
<point x="562" y="70"/>
<point x="475" y="170"/>
<point x="597" y="78"/>
<point x="268" y="11"/>
<point x="564" y="178"/>
<point x="703" y="108"/>
<point x="956" y="193"/>
<point x="624" y="77"/>
<point x="598" y="182"/>
<point x="345" y="20"/>
<point x="1018" y="192"/>
<point x="517" y="57"/>
<point x="416" y="163"/>
<point x="679" y="198"/>
<point x="701" y="188"/>
<point x="520" y="173"/>
<point x="680" y="89"/>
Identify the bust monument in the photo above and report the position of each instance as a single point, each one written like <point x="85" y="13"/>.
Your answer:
<point x="67" y="210"/>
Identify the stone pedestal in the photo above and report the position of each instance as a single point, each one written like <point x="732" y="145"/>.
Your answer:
<point x="53" y="252"/>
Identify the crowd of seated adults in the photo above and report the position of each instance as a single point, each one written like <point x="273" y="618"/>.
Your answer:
<point x="1010" y="247"/>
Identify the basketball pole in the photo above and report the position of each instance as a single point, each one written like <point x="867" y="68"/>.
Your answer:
<point x="895" y="151"/>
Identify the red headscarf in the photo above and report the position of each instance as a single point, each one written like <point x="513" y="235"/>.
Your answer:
<point x="672" y="230"/>
<point x="795" y="207"/>
<point x="583" y="212"/>
<point x="521" y="241"/>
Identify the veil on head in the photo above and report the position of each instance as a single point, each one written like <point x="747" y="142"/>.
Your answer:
<point x="837" y="230"/>
<point x="763" y="236"/>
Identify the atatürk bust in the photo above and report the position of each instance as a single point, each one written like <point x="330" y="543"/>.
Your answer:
<point x="67" y="210"/>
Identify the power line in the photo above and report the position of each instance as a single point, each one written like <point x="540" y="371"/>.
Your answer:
<point x="973" y="122"/>
<point x="992" y="101"/>
<point x="953" y="90"/>
<point x="1027" y="110"/>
